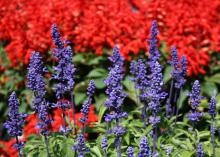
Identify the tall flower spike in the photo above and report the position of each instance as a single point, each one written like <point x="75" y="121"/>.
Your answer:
<point x="80" y="147"/>
<point x="144" y="150"/>
<point x="212" y="112"/>
<point x="104" y="145"/>
<point x="179" y="68"/>
<point x="37" y="85"/>
<point x="153" y="50"/>
<point x="130" y="152"/>
<point x="115" y="96"/>
<point x="35" y="74"/>
<point x="212" y="106"/>
<point x="200" y="151"/>
<point x="64" y="73"/>
<point x="87" y="103"/>
<point x="91" y="88"/>
<point x="16" y="120"/>
<point x="139" y="70"/>
<point x="195" y="99"/>
<point x="116" y="57"/>
<point x="56" y="37"/>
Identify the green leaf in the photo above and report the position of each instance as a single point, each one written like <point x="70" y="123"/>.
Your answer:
<point x="97" y="73"/>
<point x="79" y="98"/>
<point x="167" y="75"/>
<point x="215" y="78"/>
<point x="209" y="88"/>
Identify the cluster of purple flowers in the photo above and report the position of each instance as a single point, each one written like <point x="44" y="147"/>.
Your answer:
<point x="37" y="85"/>
<point x="87" y="103"/>
<point x="80" y="147"/>
<point x="130" y="152"/>
<point x="145" y="150"/>
<point x="64" y="73"/>
<point x="65" y="70"/>
<point x="195" y="99"/>
<point x="212" y="112"/>
<point x="179" y="70"/>
<point x="115" y="96"/>
<point x="139" y="70"/>
<point x="16" y="120"/>
<point x="200" y="151"/>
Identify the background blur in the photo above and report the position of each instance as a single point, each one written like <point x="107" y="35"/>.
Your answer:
<point x="94" y="27"/>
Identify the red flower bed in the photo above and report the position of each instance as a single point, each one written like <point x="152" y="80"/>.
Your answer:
<point x="194" y="27"/>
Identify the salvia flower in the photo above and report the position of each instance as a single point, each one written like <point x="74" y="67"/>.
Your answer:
<point x="80" y="147"/>
<point x="195" y="116"/>
<point x="144" y="150"/>
<point x="115" y="96"/>
<point x="114" y="86"/>
<point x="56" y="37"/>
<point x="37" y="85"/>
<point x="85" y="110"/>
<point x="212" y="106"/>
<point x="87" y="103"/>
<point x="140" y="74"/>
<point x="200" y="151"/>
<point x="16" y="120"/>
<point x="91" y="88"/>
<point x="168" y="150"/>
<point x="155" y="92"/>
<point x="35" y="74"/>
<point x="130" y="152"/>
<point x="179" y="68"/>
<point x="153" y="50"/>
<point x="104" y="143"/>
<point x="195" y="99"/>
<point x="65" y="70"/>
<point x="116" y="57"/>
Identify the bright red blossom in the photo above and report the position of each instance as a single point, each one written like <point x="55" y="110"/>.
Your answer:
<point x="193" y="27"/>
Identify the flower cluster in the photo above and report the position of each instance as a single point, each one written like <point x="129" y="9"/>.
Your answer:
<point x="195" y="99"/>
<point x="88" y="101"/>
<point x="145" y="150"/>
<point x="97" y="24"/>
<point x="130" y="152"/>
<point x="65" y="70"/>
<point x="155" y="92"/>
<point x="200" y="151"/>
<point x="16" y="120"/>
<point x="80" y="147"/>
<point x="37" y="85"/>
<point x="179" y="70"/>
<point x="114" y="88"/>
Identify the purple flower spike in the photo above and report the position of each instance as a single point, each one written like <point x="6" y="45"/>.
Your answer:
<point x="104" y="144"/>
<point x="153" y="50"/>
<point x="144" y="150"/>
<point x="130" y="152"/>
<point x="80" y="147"/>
<point x="37" y="85"/>
<point x="16" y="120"/>
<point x="195" y="99"/>
<point x="91" y="88"/>
<point x="200" y="151"/>
<point x="87" y="103"/>
<point x="65" y="70"/>
<point x="56" y="37"/>
<point x="212" y="106"/>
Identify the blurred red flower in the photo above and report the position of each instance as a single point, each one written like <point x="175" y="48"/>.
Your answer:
<point x="194" y="27"/>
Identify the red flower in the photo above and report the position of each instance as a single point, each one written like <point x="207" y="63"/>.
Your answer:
<point x="194" y="28"/>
